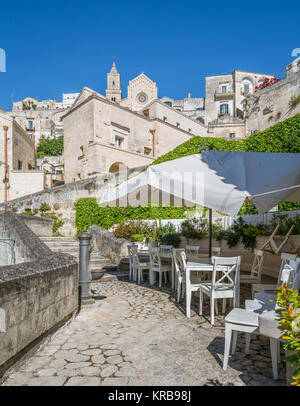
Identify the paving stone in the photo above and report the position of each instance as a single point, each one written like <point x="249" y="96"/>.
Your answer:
<point x="77" y="357"/>
<point x="120" y="381"/>
<point x="75" y="365"/>
<point x="109" y="370"/>
<point x="95" y="351"/>
<point x="114" y="359"/>
<point x="111" y="352"/>
<point x="98" y="359"/>
<point x="90" y="371"/>
<point x="83" y="381"/>
<point x="46" y="381"/>
<point x="46" y="372"/>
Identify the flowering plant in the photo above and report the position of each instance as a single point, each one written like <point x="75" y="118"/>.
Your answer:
<point x="288" y="301"/>
<point x="267" y="82"/>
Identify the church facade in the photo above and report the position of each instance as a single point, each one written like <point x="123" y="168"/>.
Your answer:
<point x="111" y="133"/>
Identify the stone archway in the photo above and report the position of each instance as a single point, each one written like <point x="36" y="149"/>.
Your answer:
<point x="117" y="167"/>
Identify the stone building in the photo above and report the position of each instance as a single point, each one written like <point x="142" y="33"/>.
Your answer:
<point x="274" y="103"/>
<point x="22" y="178"/>
<point x="42" y="117"/>
<point x="225" y="102"/>
<point x="101" y="135"/>
<point x="193" y="107"/>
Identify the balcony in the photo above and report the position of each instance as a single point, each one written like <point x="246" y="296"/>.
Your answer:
<point x="224" y="95"/>
<point x="29" y="128"/>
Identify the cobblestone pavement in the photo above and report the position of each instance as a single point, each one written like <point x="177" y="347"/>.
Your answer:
<point x="138" y="335"/>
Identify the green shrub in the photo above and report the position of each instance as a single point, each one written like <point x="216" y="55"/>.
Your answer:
<point x="50" y="146"/>
<point x="194" y="228"/>
<point x="88" y="212"/>
<point x="288" y="302"/>
<point x="45" y="207"/>
<point x="138" y="238"/>
<point x="28" y="212"/>
<point x="294" y="100"/>
<point x="171" y="239"/>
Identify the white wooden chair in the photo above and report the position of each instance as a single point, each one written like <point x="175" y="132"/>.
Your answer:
<point x="191" y="284"/>
<point x="241" y="320"/>
<point x="139" y="265"/>
<point x="153" y="244"/>
<point x="178" y="254"/>
<point x="131" y="263"/>
<point x="256" y="270"/>
<point x="224" y="283"/>
<point x="156" y="265"/>
<point x="271" y="244"/>
<point x="286" y="259"/>
<point x="263" y="320"/>
<point x="166" y="248"/>
<point x="192" y="252"/>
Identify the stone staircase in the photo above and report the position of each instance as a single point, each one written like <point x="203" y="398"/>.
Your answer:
<point x="101" y="267"/>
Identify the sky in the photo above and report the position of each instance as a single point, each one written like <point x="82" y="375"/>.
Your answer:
<point x="60" y="46"/>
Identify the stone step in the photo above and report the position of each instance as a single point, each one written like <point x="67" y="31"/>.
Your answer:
<point x="110" y="276"/>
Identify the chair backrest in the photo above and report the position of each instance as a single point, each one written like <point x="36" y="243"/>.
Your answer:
<point x="166" y="248"/>
<point x="153" y="244"/>
<point x="286" y="260"/>
<point x="154" y="256"/>
<point x="139" y="245"/>
<point x="130" y="253"/>
<point x="225" y="271"/>
<point x="135" y="254"/>
<point x="257" y="264"/>
<point x="216" y="251"/>
<point x="192" y="249"/>
<point x="179" y="264"/>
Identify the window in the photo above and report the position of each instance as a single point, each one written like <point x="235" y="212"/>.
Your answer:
<point x="118" y="142"/>
<point x="30" y="124"/>
<point x="232" y="135"/>
<point x="224" y="89"/>
<point x="224" y="109"/>
<point x="30" y="135"/>
<point x="113" y="99"/>
<point x="246" y="88"/>
<point x="20" y="165"/>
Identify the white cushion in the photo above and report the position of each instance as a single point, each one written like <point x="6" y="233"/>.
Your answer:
<point x="243" y="317"/>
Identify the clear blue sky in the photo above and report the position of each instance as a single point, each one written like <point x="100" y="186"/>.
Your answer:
<point x="61" y="46"/>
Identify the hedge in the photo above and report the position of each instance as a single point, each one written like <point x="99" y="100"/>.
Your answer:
<point x="88" y="213"/>
<point x="281" y="137"/>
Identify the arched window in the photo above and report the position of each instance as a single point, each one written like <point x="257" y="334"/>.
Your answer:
<point x="247" y="86"/>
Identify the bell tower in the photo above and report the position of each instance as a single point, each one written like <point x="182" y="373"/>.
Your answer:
<point x="113" y="91"/>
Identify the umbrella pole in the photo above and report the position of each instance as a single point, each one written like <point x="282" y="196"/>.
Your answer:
<point x="210" y="233"/>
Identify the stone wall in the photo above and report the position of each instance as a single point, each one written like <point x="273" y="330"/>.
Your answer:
<point x="61" y="199"/>
<point x="108" y="245"/>
<point x="36" y="296"/>
<point x="270" y="105"/>
<point x="41" y="226"/>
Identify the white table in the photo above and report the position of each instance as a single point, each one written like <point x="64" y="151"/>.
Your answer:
<point x="204" y="266"/>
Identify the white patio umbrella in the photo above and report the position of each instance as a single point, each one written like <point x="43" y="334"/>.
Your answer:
<point x="219" y="180"/>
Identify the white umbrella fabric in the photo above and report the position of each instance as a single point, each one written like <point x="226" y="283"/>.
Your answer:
<point x="219" y="180"/>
